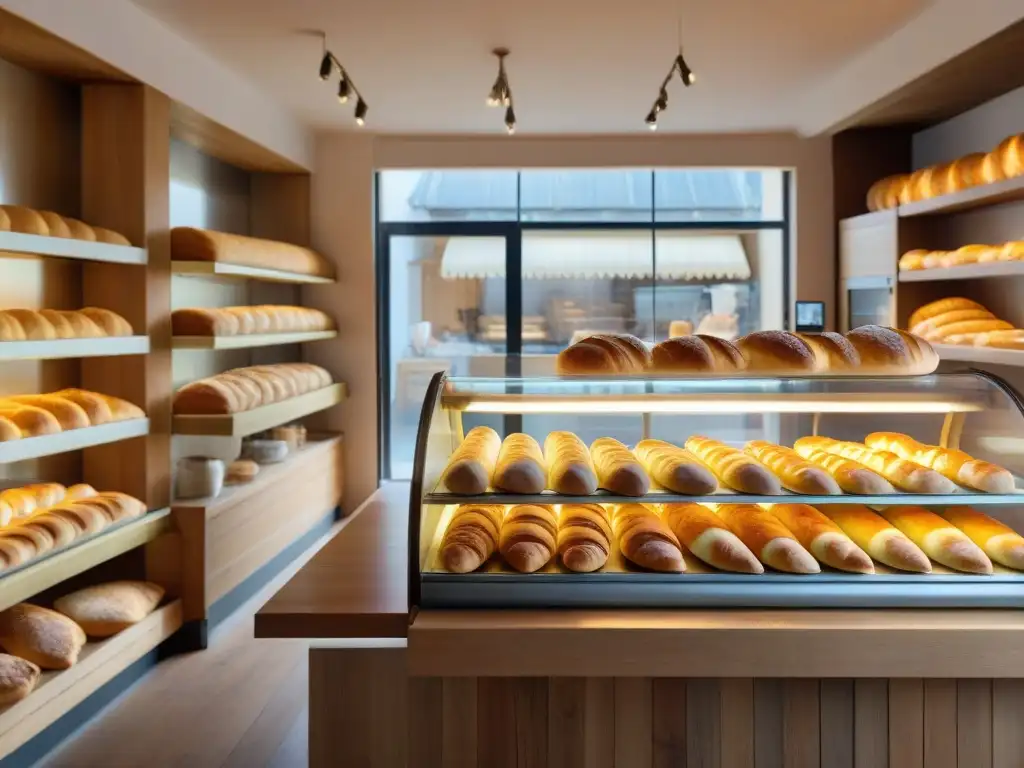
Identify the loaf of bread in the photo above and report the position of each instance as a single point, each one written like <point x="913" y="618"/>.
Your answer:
<point x="645" y="540"/>
<point x="820" y="536"/>
<point x="996" y="339"/>
<point x="674" y="468"/>
<point x="733" y="467"/>
<point x="27" y="499"/>
<point x="68" y="414"/>
<point x="471" y="466"/>
<point x="949" y="318"/>
<point x="18" y="679"/>
<point x="913" y="260"/>
<point x="940" y="335"/>
<point x="1011" y="155"/>
<point x="778" y="353"/>
<point x="241" y="471"/>
<point x="618" y="470"/>
<point x="958" y="466"/>
<point x="905" y="475"/>
<point x="696" y="354"/>
<point x="767" y="538"/>
<point x="25" y="220"/>
<point x="604" y="353"/>
<point x="43" y="637"/>
<point x="889" y="350"/>
<point x="941" y="541"/>
<point x="243" y="389"/>
<point x="935" y="308"/>
<point x="998" y="541"/>
<point x="471" y="537"/>
<point x="9" y="430"/>
<point x="885" y="193"/>
<point x="849" y="475"/>
<point x="106" y="609"/>
<point x="96" y="407"/>
<point x="584" y="537"/>
<point x="31" y="222"/>
<point x="188" y="244"/>
<point x="245" y="321"/>
<point x="703" y="533"/>
<point x="31" y="421"/>
<point x="876" y="536"/>
<point x="838" y="354"/>
<point x="570" y="468"/>
<point x="55" y="224"/>
<point x="527" y="540"/>
<point x="796" y="473"/>
<point x="679" y="328"/>
<point x="50" y="324"/>
<point x="80" y="230"/>
<point x="5" y="220"/>
<point x="109" y="236"/>
<point x="37" y="415"/>
<point x="520" y="465"/>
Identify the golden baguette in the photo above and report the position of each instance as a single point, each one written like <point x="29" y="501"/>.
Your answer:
<point x="796" y="473"/>
<point x="617" y="468"/>
<point x="584" y="537"/>
<point x="941" y="541"/>
<point x="905" y="475"/>
<point x="767" y="538"/>
<point x="674" y="468"/>
<point x="703" y="533"/>
<point x="570" y="468"/>
<point x="471" y="537"/>
<point x="878" y="537"/>
<point x="1000" y="542"/>
<point x="822" y="538"/>
<point x="528" y="535"/>
<point x="645" y="540"/>
<point x="520" y="465"/>
<point x="471" y="466"/>
<point x="851" y="476"/>
<point x="958" y="466"/>
<point x="734" y="468"/>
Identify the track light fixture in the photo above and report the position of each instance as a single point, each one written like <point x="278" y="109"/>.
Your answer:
<point x="501" y="92"/>
<point x="685" y="74"/>
<point x="346" y="87"/>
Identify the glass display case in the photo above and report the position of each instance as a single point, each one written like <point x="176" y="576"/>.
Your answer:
<point x="970" y="411"/>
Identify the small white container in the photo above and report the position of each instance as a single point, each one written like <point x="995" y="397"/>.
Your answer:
<point x="265" y="451"/>
<point x="199" y="478"/>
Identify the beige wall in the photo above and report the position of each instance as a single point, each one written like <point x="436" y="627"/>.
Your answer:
<point x="342" y="229"/>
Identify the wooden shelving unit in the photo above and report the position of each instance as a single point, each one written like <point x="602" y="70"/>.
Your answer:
<point x="980" y="355"/>
<point x="74" y="348"/>
<point x="239" y="272"/>
<point x="66" y="248"/>
<point x="989" y="271"/>
<point x="259" y="419"/>
<point x="250" y="341"/>
<point x="72" y="440"/>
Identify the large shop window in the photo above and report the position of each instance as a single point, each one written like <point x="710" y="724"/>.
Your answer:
<point x="463" y="255"/>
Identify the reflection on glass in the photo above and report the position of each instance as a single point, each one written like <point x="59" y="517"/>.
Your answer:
<point x="448" y="195"/>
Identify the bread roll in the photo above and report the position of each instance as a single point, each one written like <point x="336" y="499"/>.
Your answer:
<point x="778" y="353"/>
<point x="68" y="415"/>
<point x="45" y="494"/>
<point x="767" y="538"/>
<point x="948" y="318"/>
<point x="939" y="307"/>
<point x="604" y="353"/>
<point x="849" y="475"/>
<point x="1011" y="251"/>
<point x="80" y="491"/>
<point x="876" y="536"/>
<point x="204" y="322"/>
<point x="5" y="220"/>
<point x="189" y="244"/>
<point x="471" y="466"/>
<point x="87" y="518"/>
<point x="241" y="471"/>
<point x="696" y="354"/>
<point x="886" y="350"/>
<point x="43" y="637"/>
<point x="884" y="193"/>
<point x="618" y="470"/>
<point x="122" y="410"/>
<point x="8" y="430"/>
<point x="958" y="466"/>
<point x="999" y="542"/>
<point x="519" y="467"/>
<point x="1011" y="155"/>
<point x="838" y="354"/>
<point x="674" y="468"/>
<point x="733" y="468"/>
<point x="111" y="322"/>
<point x="55" y="224"/>
<point x="528" y="535"/>
<point x="822" y="538"/>
<point x="36" y="327"/>
<point x="471" y="537"/>
<point x="79" y="231"/>
<point x="968" y="254"/>
<point x="15" y="550"/>
<point x="679" y="328"/>
<point x="968" y="326"/>
<point x="10" y="329"/>
<point x="18" y="679"/>
<point x="109" y="236"/>
<point x="703" y="533"/>
<point x="645" y="540"/>
<point x="796" y="473"/>
<point x="82" y="326"/>
<point x="6" y="513"/>
<point x="584" y="537"/>
<point x="25" y="220"/>
<point x="106" y="609"/>
<point x="32" y="421"/>
<point x="905" y="475"/>
<point x="570" y="468"/>
<point x="208" y="397"/>
<point x="941" y="541"/>
<point x="61" y="325"/>
<point x="59" y="528"/>
<point x="95" y="406"/>
<point x="912" y="260"/>
<point x="997" y="339"/>
<point x="246" y="320"/>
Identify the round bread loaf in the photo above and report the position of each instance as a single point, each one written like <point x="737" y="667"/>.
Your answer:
<point x="25" y="220"/>
<point x="887" y="350"/>
<point x="5" y="221"/>
<point x="35" y="326"/>
<point x="56" y="224"/>
<point x="79" y="230"/>
<point x="834" y="349"/>
<point x="10" y="329"/>
<point x="696" y="354"/>
<point x="110" y="237"/>
<point x="106" y="609"/>
<point x="778" y="353"/>
<point x="604" y="353"/>
<point x="68" y="414"/>
<point x="934" y="308"/>
<point x="18" y="678"/>
<point x="913" y="260"/>
<point x="1011" y="155"/>
<point x="8" y="430"/>
<point x="41" y="636"/>
<point x="991" y="168"/>
<point x="241" y="471"/>
<point x="111" y="322"/>
<point x="79" y="491"/>
<point x="912" y="188"/>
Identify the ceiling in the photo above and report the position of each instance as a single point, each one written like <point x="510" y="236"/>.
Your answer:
<point x="577" y="66"/>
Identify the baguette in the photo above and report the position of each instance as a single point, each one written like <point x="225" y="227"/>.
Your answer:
<point x="796" y="473"/>
<point x="935" y="308"/>
<point x="618" y="470"/>
<point x="95" y="406"/>
<point x="905" y="475"/>
<point x="958" y="466"/>
<point x="471" y="466"/>
<point x="767" y="538"/>
<point x="833" y="349"/>
<point x="604" y="353"/>
<point x="32" y="421"/>
<point x="822" y="538"/>
<point x="645" y="540"/>
<point x="940" y="540"/>
<point x="584" y="537"/>
<point x="471" y="537"/>
<point x="570" y="468"/>
<point x="849" y="475"/>
<point x="778" y="353"/>
<point x="912" y="260"/>
<point x="68" y="414"/>
<point x="967" y="326"/>
<point x="876" y="536"/>
<point x="998" y="541"/>
<point x="519" y="467"/>
<point x="527" y="540"/>
<point x="696" y="354"/>
<point x="948" y="318"/>
<point x="674" y="468"/>
<point x="703" y="533"/>
<point x="734" y="468"/>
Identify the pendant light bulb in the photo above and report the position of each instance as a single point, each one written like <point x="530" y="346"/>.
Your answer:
<point x="326" y="66"/>
<point x="495" y="97"/>
<point x="361" y="109"/>
<point x="652" y="120"/>
<point x="510" y="120"/>
<point x="662" y="103"/>
<point x="344" y="89"/>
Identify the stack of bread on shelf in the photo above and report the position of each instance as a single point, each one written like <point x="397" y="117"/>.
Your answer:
<point x="868" y="350"/>
<point x="35" y="638"/>
<point x="246" y="321"/>
<point x="23" y="416"/>
<point x="243" y="389"/>
<point x="27" y="221"/>
<point x="190" y="244"/>
<point x="1006" y="161"/>
<point x="919" y="259"/>
<point x="957" y="320"/>
<point x="50" y="324"/>
<point x="737" y="538"/>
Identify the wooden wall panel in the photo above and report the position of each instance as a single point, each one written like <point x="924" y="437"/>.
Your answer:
<point x="940" y="742"/>
<point x="458" y="731"/>
<point x="668" y="716"/>
<point x="974" y="722"/>
<point x="703" y="724"/>
<point x="737" y="718"/>
<point x="836" y="702"/>
<point x="870" y="724"/>
<point x="801" y="724"/>
<point x="1007" y="724"/>
<point x="633" y="722"/>
<point x="906" y="723"/>
<point x="567" y="710"/>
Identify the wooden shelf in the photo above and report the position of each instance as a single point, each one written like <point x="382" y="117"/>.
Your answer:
<point x="237" y="271"/>
<point x="32" y="578"/>
<point x="989" y="270"/>
<point x="57" y="693"/>
<point x="989" y="355"/>
<point x="1006" y="191"/>
<point x="253" y="340"/>
<point x="66" y="248"/>
<point x="259" y="419"/>
<point x="72" y="348"/>
<point x="71" y="440"/>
